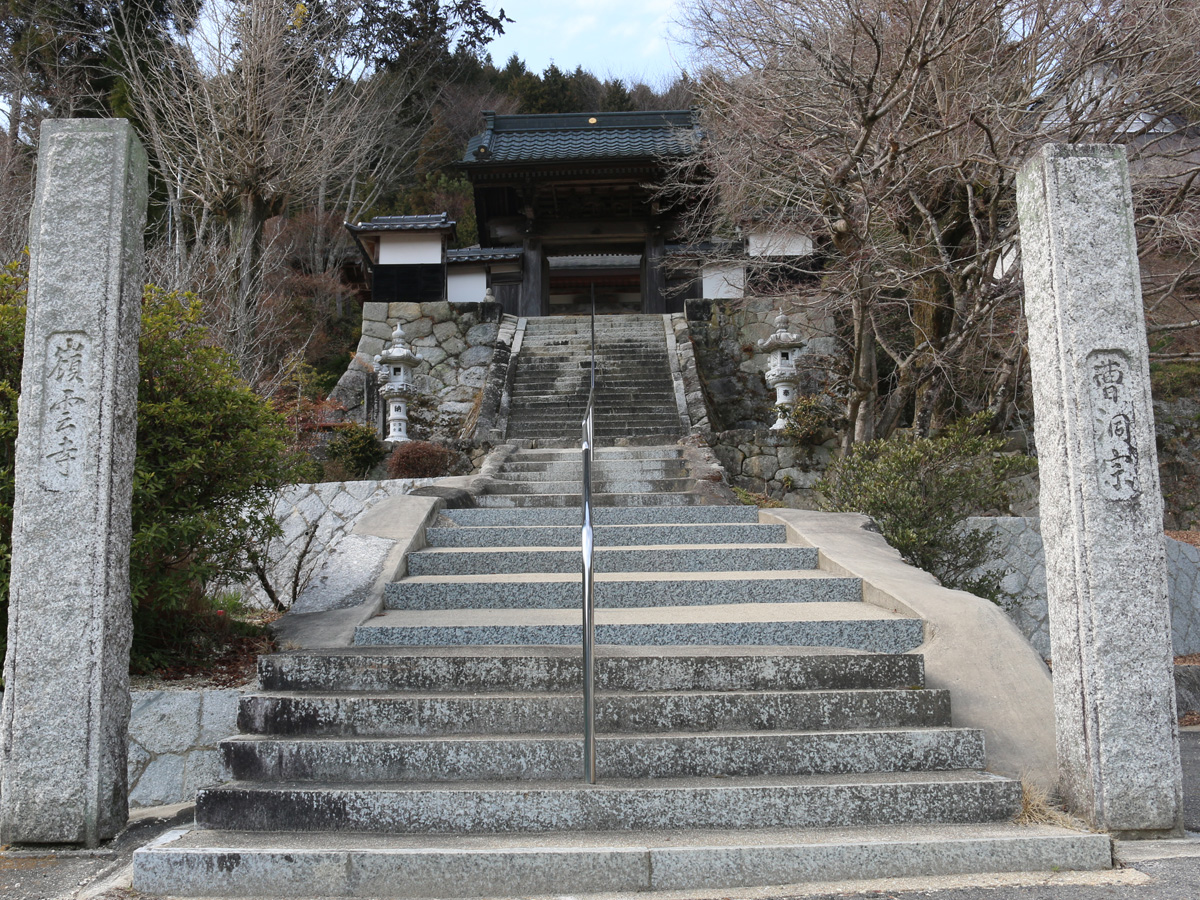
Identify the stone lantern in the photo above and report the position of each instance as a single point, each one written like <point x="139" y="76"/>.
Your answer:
<point x="393" y="372"/>
<point x="781" y="374"/>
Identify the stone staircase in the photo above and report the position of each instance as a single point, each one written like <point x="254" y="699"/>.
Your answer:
<point x="635" y="393"/>
<point x="758" y="724"/>
<point x="621" y="476"/>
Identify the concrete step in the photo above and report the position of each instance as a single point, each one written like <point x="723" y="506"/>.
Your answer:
<point x="804" y="801"/>
<point x="856" y="626"/>
<point x="628" y="669"/>
<point x="604" y="535"/>
<point x="613" y="515"/>
<point x="310" y="714"/>
<point x="195" y="863"/>
<point x="601" y="454"/>
<point x="528" y="501"/>
<point x="679" y="558"/>
<point x="602" y="471"/>
<point x="623" y="589"/>
<point x="599" y="486"/>
<point x="540" y="757"/>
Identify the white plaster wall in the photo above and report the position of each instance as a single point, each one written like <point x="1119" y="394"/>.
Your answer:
<point x="778" y="243"/>
<point x="726" y="282"/>
<point x="410" y="248"/>
<point x="466" y="284"/>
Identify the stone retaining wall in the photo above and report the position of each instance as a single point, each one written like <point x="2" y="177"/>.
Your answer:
<point x="173" y="738"/>
<point x="1018" y="549"/>
<point x="337" y="568"/>
<point x="766" y="462"/>
<point x="454" y="340"/>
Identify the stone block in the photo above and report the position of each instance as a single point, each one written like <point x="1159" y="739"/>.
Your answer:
<point x="475" y="356"/>
<point x="376" y="312"/>
<point x="218" y="717"/>
<point x="418" y="328"/>
<point x="165" y="721"/>
<point x="474" y="377"/>
<point x="161" y="781"/>
<point x="1101" y="503"/>
<point x="64" y="737"/>
<point x="483" y="334"/>
<point x="437" y="311"/>
<point x="377" y="329"/>
<point x="370" y="347"/>
<point x="348" y="575"/>
<point x="453" y="346"/>
<point x="443" y="331"/>
<point x="434" y="355"/>
<point x="404" y="312"/>
<point x="763" y="467"/>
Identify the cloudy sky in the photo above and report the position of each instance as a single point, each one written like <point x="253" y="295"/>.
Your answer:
<point x="628" y="39"/>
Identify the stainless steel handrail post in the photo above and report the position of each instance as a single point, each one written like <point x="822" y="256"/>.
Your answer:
<point x="587" y="542"/>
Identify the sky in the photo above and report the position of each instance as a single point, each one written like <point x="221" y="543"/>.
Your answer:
<point x="628" y="39"/>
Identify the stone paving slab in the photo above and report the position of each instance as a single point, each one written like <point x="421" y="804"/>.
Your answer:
<point x="190" y="862"/>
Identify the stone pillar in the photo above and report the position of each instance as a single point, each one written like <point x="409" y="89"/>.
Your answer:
<point x="66" y="698"/>
<point x="1110" y="628"/>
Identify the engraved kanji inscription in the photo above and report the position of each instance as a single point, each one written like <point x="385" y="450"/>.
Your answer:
<point x="64" y="407"/>
<point x="1111" y="384"/>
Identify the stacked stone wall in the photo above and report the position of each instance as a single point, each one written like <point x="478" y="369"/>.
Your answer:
<point x="455" y="341"/>
<point x="762" y="461"/>
<point x="337" y="568"/>
<point x="1018" y="551"/>
<point x="173" y="743"/>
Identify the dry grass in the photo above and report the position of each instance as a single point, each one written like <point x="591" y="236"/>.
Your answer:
<point x="1037" y="808"/>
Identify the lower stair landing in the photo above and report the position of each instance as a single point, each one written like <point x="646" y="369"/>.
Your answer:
<point x="242" y="864"/>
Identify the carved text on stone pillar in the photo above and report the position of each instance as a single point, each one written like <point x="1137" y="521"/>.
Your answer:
<point x="1111" y="389"/>
<point x="64" y="419"/>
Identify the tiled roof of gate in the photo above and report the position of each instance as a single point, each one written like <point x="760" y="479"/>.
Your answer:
<point x="565" y="137"/>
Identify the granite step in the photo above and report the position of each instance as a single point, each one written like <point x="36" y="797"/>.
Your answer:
<point x="856" y="626"/>
<point x="538" y="757"/>
<point x="604" y="535"/>
<point x="628" y="669"/>
<point x="599" y="486"/>
<point x="799" y="801"/>
<point x="624" y="589"/>
<point x="611" y="515"/>
<point x="601" y="454"/>
<point x="680" y="558"/>
<point x="505" y="712"/>
<point x="198" y="863"/>
<point x="527" y="501"/>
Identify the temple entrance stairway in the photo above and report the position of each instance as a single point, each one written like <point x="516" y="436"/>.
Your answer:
<point x="758" y="724"/>
<point x="635" y="394"/>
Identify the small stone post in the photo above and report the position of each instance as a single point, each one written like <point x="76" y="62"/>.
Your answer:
<point x="66" y="699"/>
<point x="1101" y="507"/>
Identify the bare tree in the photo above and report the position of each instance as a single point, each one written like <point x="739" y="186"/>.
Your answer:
<point x="262" y="108"/>
<point x="892" y="130"/>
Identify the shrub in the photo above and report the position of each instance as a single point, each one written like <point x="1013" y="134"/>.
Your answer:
<point x="355" y="451"/>
<point x="12" y="344"/>
<point x="210" y="458"/>
<point x="808" y="421"/>
<point x="920" y="490"/>
<point x="421" y="459"/>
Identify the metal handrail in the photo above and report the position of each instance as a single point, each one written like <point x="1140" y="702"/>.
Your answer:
<point x="587" y="541"/>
